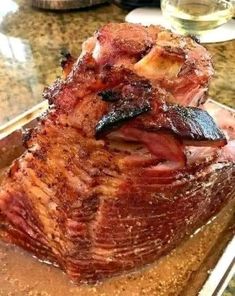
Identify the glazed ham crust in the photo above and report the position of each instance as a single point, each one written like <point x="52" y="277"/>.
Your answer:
<point x="124" y="165"/>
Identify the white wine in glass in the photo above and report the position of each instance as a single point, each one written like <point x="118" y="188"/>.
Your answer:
<point x="196" y="16"/>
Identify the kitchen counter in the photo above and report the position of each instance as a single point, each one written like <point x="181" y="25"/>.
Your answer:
<point x="30" y="45"/>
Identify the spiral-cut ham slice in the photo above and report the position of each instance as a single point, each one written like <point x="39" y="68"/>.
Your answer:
<point x="165" y="147"/>
<point x="225" y="119"/>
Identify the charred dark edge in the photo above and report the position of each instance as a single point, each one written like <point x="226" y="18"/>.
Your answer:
<point x="116" y="118"/>
<point x="65" y="57"/>
<point x="204" y="120"/>
<point x="109" y="95"/>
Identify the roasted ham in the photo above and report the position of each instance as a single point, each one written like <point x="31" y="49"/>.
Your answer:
<point x="127" y="161"/>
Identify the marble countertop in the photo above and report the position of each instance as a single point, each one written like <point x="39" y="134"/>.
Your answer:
<point x="30" y="45"/>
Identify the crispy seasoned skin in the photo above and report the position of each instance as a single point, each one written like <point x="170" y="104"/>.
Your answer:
<point x="116" y="174"/>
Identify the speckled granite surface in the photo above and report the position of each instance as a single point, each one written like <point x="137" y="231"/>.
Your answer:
<point x="30" y="42"/>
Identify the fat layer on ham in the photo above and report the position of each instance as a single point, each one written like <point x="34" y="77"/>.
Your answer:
<point x="127" y="161"/>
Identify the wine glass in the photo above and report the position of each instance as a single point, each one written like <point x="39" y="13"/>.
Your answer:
<point x="196" y="17"/>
